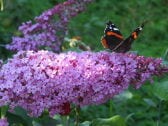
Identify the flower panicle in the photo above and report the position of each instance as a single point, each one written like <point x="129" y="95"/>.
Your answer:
<point x="48" y="32"/>
<point x="58" y="80"/>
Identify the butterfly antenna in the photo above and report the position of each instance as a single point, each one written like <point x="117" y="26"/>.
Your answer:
<point x="144" y="23"/>
<point x="109" y="22"/>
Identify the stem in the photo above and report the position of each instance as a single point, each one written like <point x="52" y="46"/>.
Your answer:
<point x="111" y="108"/>
<point x="4" y="109"/>
<point x="65" y="120"/>
<point x="159" y="109"/>
<point x="77" y="110"/>
<point x="1" y="3"/>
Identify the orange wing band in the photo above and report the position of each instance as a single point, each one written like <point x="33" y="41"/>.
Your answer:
<point x="134" y="34"/>
<point x="104" y="43"/>
<point x="115" y="34"/>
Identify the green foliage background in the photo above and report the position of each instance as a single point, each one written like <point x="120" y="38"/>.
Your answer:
<point x="127" y="15"/>
<point x="139" y="107"/>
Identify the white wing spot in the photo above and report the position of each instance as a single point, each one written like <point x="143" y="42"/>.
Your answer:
<point x="115" y="29"/>
<point x="140" y="28"/>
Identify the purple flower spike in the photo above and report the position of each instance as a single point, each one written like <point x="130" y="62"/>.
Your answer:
<point x="3" y="122"/>
<point x="48" y="32"/>
<point x="44" y="80"/>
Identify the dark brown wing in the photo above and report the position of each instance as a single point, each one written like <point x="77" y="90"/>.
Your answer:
<point x="112" y="36"/>
<point x="125" y="45"/>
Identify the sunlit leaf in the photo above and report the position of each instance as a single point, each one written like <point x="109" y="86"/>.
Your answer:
<point x="125" y="95"/>
<point x="150" y="102"/>
<point x="86" y="123"/>
<point x="113" y="121"/>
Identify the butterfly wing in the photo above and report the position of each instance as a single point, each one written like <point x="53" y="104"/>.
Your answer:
<point x="112" y="36"/>
<point x="125" y="45"/>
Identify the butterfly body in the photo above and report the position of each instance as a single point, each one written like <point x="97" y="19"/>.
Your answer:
<point x="114" y="40"/>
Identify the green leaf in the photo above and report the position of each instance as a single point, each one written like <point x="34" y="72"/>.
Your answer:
<point x="45" y="121"/>
<point x="113" y="121"/>
<point x="19" y="117"/>
<point x="14" y="119"/>
<point x="150" y="102"/>
<point x="86" y="123"/>
<point x="161" y="90"/>
<point x="124" y="96"/>
<point x="36" y="123"/>
<point x="23" y="114"/>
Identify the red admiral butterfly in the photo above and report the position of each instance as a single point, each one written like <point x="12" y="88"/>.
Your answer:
<point x="114" y="40"/>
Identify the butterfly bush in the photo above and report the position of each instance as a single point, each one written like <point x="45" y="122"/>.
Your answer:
<point x="49" y="28"/>
<point x="4" y="122"/>
<point x="44" y="80"/>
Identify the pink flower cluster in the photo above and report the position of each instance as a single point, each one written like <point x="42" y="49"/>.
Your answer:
<point x="49" y="30"/>
<point x="4" y="122"/>
<point x="45" y="80"/>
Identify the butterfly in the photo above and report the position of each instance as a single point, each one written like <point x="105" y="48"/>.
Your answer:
<point x="114" y="40"/>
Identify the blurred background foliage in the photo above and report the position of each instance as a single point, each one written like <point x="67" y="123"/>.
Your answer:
<point x="127" y="15"/>
<point x="141" y="107"/>
<point x="89" y="25"/>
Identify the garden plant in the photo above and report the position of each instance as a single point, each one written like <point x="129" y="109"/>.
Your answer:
<point x="50" y="77"/>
